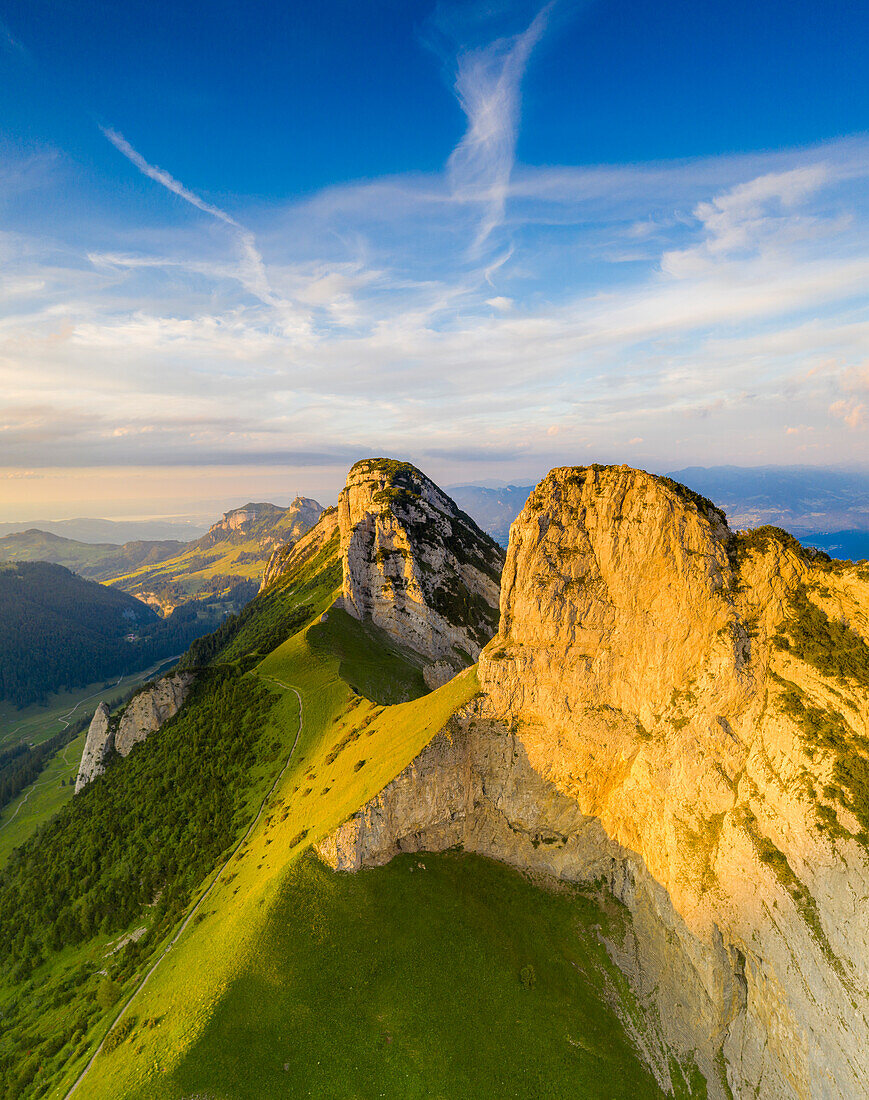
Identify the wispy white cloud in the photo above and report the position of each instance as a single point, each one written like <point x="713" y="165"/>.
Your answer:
<point x="763" y="213"/>
<point x="683" y="311"/>
<point x="164" y="178"/>
<point x="487" y="84"/>
<point x="252" y="272"/>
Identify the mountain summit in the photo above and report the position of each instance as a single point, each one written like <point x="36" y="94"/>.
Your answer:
<point x="679" y="711"/>
<point x="665" y="727"/>
<point x="417" y="566"/>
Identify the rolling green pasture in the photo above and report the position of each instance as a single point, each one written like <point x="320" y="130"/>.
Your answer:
<point x="433" y="978"/>
<point x="40" y="801"/>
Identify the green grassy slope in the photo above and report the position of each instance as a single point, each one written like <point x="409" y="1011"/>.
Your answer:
<point x="225" y="558"/>
<point x="406" y="981"/>
<point x="348" y="749"/>
<point x="42" y="799"/>
<point x="127" y="854"/>
<point x="260" y="972"/>
<point x="400" y="981"/>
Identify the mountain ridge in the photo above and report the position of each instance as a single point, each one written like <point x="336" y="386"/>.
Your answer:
<point x="664" y="727"/>
<point x="623" y="732"/>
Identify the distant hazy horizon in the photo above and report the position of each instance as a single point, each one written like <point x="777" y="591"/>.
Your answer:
<point x="325" y="486"/>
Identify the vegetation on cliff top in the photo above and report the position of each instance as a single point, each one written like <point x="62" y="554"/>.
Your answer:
<point x="760" y="539"/>
<point x="831" y="647"/>
<point x="392" y="470"/>
<point x="577" y="475"/>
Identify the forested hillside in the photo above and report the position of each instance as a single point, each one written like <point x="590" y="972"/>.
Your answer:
<point x="97" y="561"/>
<point x="59" y="631"/>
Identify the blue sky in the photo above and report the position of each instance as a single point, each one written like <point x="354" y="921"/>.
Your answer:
<point x="243" y="245"/>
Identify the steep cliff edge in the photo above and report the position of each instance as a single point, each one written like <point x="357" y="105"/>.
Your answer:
<point x="145" y="713"/>
<point x="680" y="712"/>
<point x="266" y="523"/>
<point x="417" y="566"/>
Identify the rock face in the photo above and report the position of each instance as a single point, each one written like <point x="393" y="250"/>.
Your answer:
<point x="144" y="714"/>
<point x="417" y="566"/>
<point x="680" y="712"/>
<point x="267" y="523"/>
<point x="98" y="748"/>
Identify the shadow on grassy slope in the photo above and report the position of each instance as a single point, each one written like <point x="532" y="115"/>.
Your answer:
<point x="348" y="750"/>
<point x="369" y="660"/>
<point x="406" y="981"/>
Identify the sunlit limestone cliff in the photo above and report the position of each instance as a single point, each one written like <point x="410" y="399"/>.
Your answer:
<point x="679" y="712"/>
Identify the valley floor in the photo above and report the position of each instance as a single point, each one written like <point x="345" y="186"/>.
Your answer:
<point x="54" y="786"/>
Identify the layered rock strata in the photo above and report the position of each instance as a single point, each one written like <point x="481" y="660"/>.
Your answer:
<point x="667" y="709"/>
<point x="267" y="523"/>
<point x="417" y="566"/>
<point x="145" y="713"/>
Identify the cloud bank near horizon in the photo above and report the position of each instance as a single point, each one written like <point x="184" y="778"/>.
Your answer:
<point x="506" y="315"/>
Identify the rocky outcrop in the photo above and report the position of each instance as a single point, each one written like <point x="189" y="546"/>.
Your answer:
<point x="268" y="524"/>
<point x="149" y="709"/>
<point x="98" y="747"/>
<point x="681" y="713"/>
<point x="110" y="735"/>
<point x="417" y="566"/>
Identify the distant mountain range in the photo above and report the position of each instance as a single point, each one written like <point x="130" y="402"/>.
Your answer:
<point x="493" y="509"/>
<point x="221" y="568"/>
<point x="802" y="499"/>
<point x="61" y="630"/>
<point x="227" y="562"/>
<point x="95" y="560"/>
<point x="112" y="530"/>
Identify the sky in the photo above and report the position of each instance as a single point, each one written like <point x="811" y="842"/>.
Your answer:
<point x="244" y="245"/>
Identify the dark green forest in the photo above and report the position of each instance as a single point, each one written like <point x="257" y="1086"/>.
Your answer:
<point x="61" y="632"/>
<point x="152" y="828"/>
<point x="134" y="845"/>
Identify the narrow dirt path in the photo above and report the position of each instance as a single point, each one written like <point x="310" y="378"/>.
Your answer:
<point x="196" y="907"/>
<point x="30" y="790"/>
